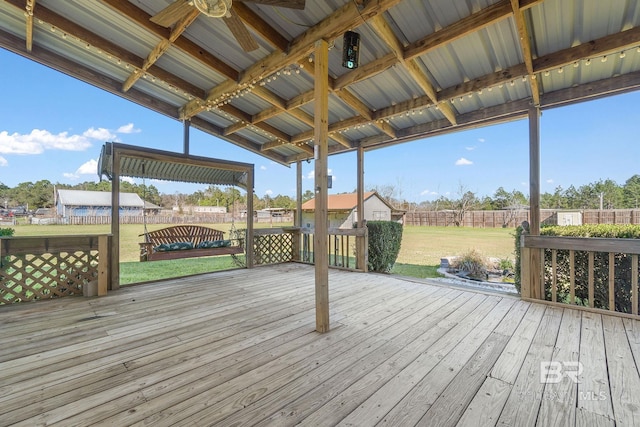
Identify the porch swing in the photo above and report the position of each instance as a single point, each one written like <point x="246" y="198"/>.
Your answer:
<point x="180" y="241"/>
<point x="187" y="241"/>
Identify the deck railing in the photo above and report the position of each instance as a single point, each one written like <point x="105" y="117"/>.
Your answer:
<point x="33" y="268"/>
<point x="347" y="248"/>
<point x="595" y="273"/>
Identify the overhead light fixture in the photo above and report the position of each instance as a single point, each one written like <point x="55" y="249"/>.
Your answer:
<point x="351" y="50"/>
<point x="213" y="8"/>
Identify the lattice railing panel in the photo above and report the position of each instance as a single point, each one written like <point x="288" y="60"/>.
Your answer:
<point x="28" y="277"/>
<point x="273" y="249"/>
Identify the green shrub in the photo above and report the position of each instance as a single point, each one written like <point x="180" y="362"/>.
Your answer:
<point x="384" y="245"/>
<point x="516" y="273"/>
<point x="622" y="263"/>
<point x="7" y="231"/>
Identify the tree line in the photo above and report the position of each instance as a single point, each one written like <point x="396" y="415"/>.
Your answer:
<point x="40" y="194"/>
<point x="603" y="193"/>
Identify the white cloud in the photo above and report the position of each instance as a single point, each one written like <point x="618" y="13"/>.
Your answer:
<point x="268" y="192"/>
<point x="40" y="140"/>
<point x="128" y="179"/>
<point x="101" y="134"/>
<point x="263" y="168"/>
<point x="429" y="193"/>
<point x="3" y="161"/>
<point x="524" y="184"/>
<point x="470" y="148"/>
<point x="463" y="162"/>
<point x="128" y="128"/>
<point x="88" y="168"/>
<point x="550" y="181"/>
<point x="481" y="140"/>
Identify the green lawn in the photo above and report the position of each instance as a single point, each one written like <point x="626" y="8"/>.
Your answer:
<point x="420" y="253"/>
<point x="422" y="247"/>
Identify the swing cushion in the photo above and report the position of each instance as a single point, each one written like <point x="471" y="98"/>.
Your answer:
<point x="177" y="246"/>
<point x="214" y="244"/>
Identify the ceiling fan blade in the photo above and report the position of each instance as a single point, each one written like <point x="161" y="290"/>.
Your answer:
<point x="240" y="32"/>
<point x="172" y="13"/>
<point x="289" y="4"/>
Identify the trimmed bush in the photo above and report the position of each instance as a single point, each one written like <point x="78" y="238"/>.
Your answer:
<point x="516" y="273"/>
<point x="384" y="245"/>
<point x="601" y="266"/>
<point x="7" y="231"/>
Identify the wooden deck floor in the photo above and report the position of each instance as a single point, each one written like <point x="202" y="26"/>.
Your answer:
<point x="238" y="348"/>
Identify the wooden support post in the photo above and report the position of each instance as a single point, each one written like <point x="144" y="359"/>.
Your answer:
<point x="361" y="241"/>
<point x="114" y="259"/>
<point x="321" y="146"/>
<point x="535" y="255"/>
<point x="296" y="244"/>
<point x="185" y="138"/>
<point x="103" y="264"/>
<point x="249" y="243"/>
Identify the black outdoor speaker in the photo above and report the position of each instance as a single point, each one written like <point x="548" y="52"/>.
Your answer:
<point x="351" y="50"/>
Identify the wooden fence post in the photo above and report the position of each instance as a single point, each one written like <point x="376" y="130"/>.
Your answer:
<point x="103" y="264"/>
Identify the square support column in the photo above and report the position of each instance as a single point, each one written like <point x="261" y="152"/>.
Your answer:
<point x="321" y="148"/>
<point x="533" y="285"/>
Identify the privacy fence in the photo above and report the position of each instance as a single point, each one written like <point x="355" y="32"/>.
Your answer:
<point x="157" y="219"/>
<point x="497" y="219"/>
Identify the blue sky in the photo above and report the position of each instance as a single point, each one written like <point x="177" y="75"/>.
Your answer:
<point x="53" y="126"/>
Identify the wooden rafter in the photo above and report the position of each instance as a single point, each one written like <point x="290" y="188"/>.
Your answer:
<point x="141" y="18"/>
<point x="31" y="4"/>
<point x="348" y="16"/>
<point x="525" y="45"/>
<point x="387" y="35"/>
<point x="472" y="23"/>
<point x="160" y="49"/>
<point x="340" y="87"/>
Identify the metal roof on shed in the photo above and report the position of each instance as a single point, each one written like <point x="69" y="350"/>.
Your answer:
<point x="97" y="198"/>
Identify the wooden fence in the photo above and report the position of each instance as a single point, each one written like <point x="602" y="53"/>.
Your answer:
<point x="158" y="219"/>
<point x="496" y="219"/>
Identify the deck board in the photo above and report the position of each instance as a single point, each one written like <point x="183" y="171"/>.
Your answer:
<point x="238" y="348"/>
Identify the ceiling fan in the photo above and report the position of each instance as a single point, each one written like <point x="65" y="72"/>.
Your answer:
<point x="220" y="9"/>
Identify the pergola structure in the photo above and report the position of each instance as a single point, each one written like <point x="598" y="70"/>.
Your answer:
<point x="268" y="75"/>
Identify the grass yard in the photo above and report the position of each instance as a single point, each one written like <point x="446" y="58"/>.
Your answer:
<point x="420" y="253"/>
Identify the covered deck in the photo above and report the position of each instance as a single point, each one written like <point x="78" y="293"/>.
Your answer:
<point x="239" y="348"/>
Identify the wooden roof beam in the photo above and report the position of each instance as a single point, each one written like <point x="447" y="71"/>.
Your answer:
<point x="472" y="23"/>
<point x="525" y="45"/>
<point x="91" y="76"/>
<point x="140" y="17"/>
<point x="604" y="46"/>
<point x="348" y="16"/>
<point x="160" y="49"/>
<point x="51" y="18"/>
<point x="31" y="4"/>
<point x="388" y="36"/>
<point x="260" y="26"/>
